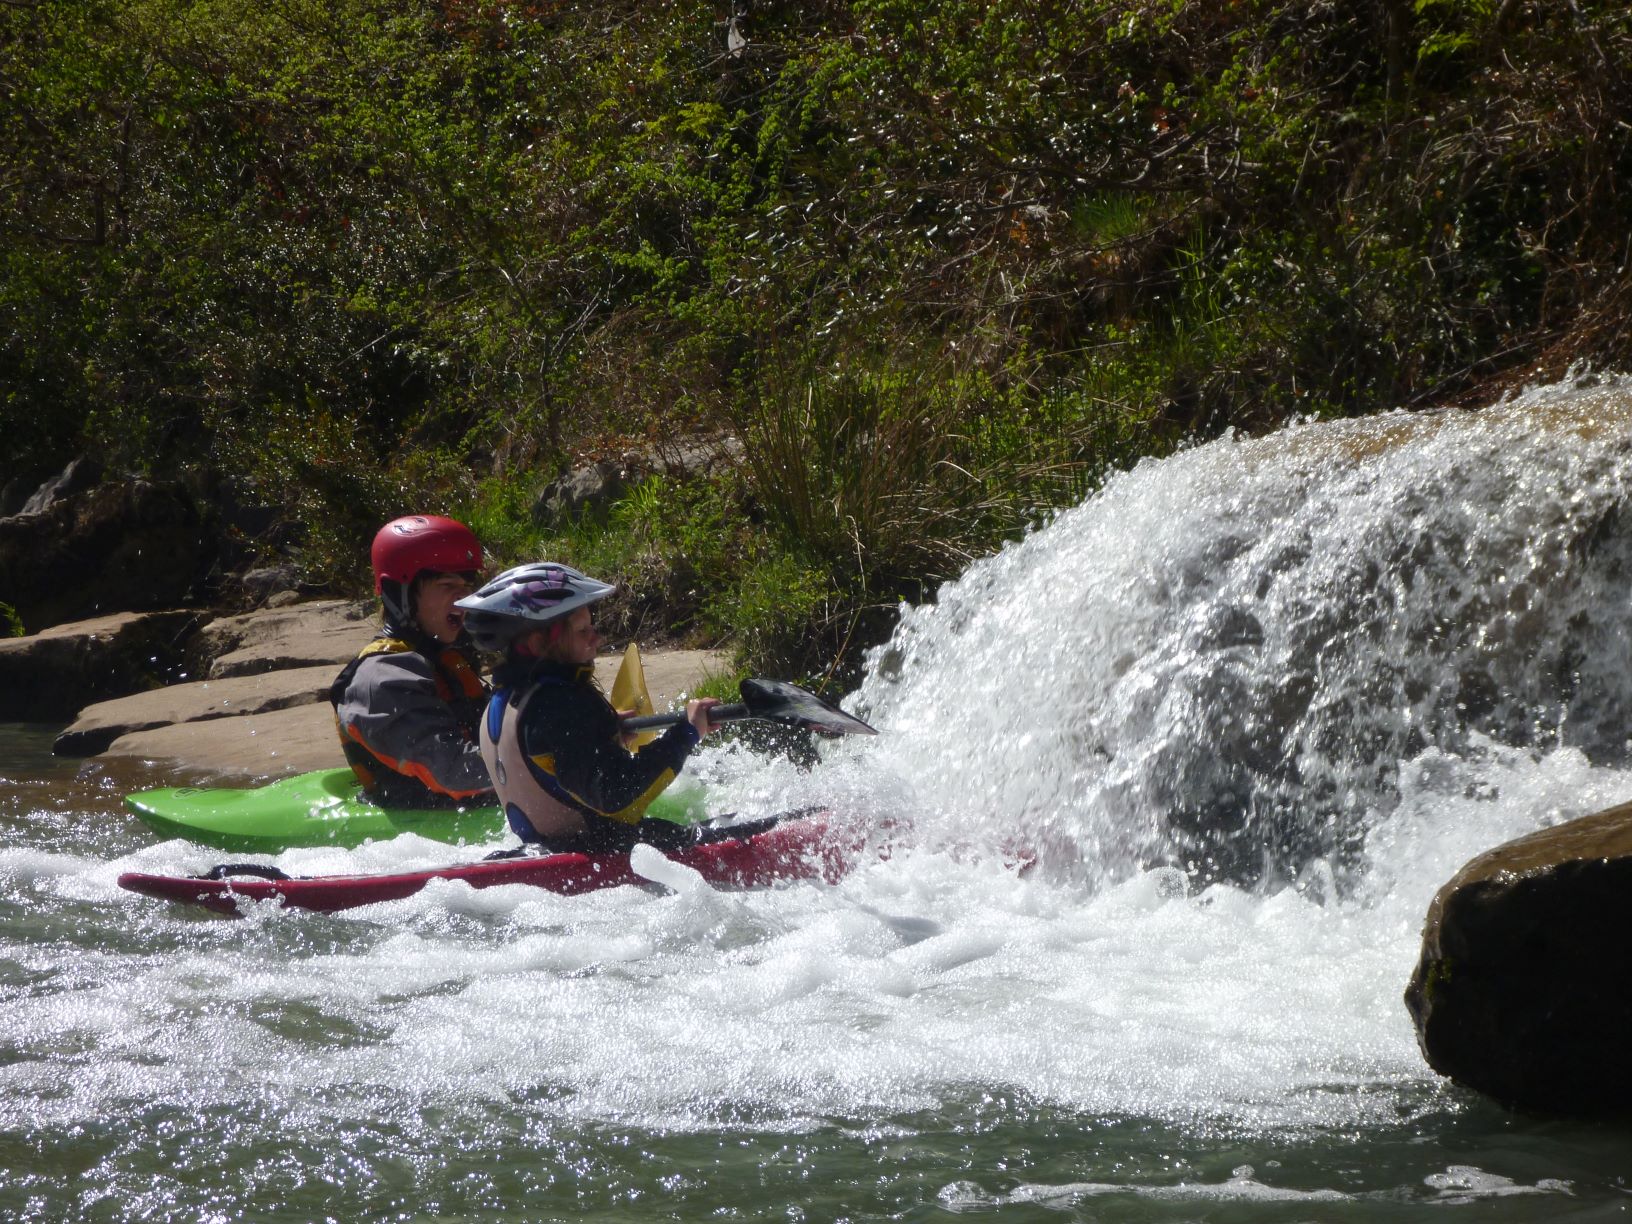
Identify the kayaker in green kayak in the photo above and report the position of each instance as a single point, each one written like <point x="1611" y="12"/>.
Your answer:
<point x="409" y="706"/>
<point x="562" y="768"/>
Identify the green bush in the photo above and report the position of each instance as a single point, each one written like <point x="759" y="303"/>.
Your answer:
<point x="937" y="264"/>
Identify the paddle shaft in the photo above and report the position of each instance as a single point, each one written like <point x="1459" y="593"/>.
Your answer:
<point x="772" y="701"/>
<point x="717" y="714"/>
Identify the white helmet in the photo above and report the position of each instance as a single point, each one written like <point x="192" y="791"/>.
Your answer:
<point x="527" y="598"/>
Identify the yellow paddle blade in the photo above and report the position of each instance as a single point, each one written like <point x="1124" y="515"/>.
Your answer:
<point x="629" y="691"/>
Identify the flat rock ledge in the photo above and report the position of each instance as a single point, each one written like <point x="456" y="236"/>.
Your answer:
<point x="326" y="631"/>
<point x="261" y="713"/>
<point x="1523" y="991"/>
<point x="101" y="725"/>
<point x="49" y="675"/>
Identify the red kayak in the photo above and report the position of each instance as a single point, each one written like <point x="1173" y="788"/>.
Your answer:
<point x="801" y="849"/>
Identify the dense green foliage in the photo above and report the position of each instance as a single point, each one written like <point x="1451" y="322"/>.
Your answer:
<point x="936" y="264"/>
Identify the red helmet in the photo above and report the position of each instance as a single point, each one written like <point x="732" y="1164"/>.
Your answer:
<point x="406" y="547"/>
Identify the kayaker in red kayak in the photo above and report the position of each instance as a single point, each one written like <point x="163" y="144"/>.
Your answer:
<point x="409" y="706"/>
<point x="559" y="762"/>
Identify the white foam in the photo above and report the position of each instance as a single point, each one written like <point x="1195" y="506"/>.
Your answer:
<point x="1028" y="926"/>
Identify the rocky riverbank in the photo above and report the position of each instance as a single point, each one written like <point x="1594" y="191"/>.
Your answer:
<point x="248" y="701"/>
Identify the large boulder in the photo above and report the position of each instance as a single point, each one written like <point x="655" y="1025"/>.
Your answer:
<point x="48" y="676"/>
<point x="1523" y="990"/>
<point x="119" y="547"/>
<point x="592" y="488"/>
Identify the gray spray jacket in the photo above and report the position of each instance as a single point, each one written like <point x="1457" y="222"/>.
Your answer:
<point x="408" y="713"/>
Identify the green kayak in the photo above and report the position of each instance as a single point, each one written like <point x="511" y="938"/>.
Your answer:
<point x="325" y="809"/>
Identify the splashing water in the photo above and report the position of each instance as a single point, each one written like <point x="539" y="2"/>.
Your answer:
<point x="1343" y="658"/>
<point x="1223" y="661"/>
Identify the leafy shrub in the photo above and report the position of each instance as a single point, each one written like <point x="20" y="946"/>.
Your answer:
<point x="937" y="264"/>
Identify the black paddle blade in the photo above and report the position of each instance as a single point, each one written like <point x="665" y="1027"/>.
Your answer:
<point x="774" y="701"/>
<point x="779" y="701"/>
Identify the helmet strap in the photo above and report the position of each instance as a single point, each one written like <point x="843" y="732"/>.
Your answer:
<point x="397" y="599"/>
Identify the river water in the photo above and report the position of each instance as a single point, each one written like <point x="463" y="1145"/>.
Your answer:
<point x="1161" y="797"/>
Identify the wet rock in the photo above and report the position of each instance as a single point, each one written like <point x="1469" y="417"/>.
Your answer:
<point x="99" y="725"/>
<point x="49" y="676"/>
<point x="126" y="547"/>
<point x="1523" y="990"/>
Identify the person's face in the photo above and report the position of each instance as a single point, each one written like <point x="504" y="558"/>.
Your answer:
<point x="433" y="606"/>
<point x="579" y="639"/>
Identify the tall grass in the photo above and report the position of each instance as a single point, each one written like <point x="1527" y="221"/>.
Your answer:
<point x="888" y="476"/>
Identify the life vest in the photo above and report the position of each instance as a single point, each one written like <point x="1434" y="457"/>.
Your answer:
<point x="458" y="683"/>
<point x="536" y="803"/>
<point x="533" y="812"/>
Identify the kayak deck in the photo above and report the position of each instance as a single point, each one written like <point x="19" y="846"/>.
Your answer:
<point x="324" y="808"/>
<point x="803" y="848"/>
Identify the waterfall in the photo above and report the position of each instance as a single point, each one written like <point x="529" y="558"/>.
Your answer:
<point x="1222" y="660"/>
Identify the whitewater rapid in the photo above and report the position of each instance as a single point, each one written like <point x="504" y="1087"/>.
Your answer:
<point x="1224" y="660"/>
<point x="1160" y="797"/>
